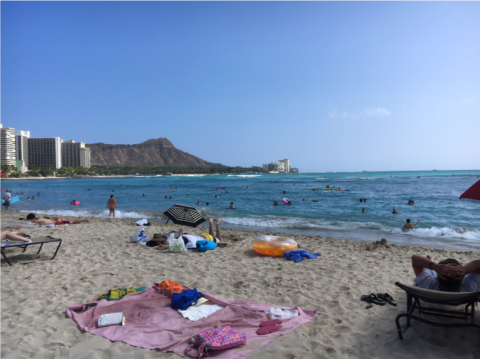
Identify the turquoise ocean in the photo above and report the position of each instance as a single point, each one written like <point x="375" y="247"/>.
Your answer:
<point x="445" y="220"/>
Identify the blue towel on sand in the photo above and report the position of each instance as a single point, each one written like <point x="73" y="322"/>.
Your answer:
<point x="184" y="299"/>
<point x="298" y="255"/>
<point x="203" y="246"/>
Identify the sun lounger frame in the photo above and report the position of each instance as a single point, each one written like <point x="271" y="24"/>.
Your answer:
<point x="413" y="302"/>
<point x="26" y="244"/>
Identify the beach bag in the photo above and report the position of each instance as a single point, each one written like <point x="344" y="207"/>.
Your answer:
<point x="216" y="339"/>
<point x="176" y="245"/>
<point x="139" y="236"/>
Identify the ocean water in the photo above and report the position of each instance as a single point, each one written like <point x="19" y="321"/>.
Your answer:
<point x="445" y="221"/>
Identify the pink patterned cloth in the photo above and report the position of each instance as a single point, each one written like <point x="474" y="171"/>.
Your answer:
<point x="151" y="323"/>
<point x="217" y="339"/>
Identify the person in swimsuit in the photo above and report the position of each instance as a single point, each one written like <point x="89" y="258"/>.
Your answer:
<point x="394" y="211"/>
<point x="409" y="226"/>
<point x="191" y="240"/>
<point x="55" y="220"/>
<point x="231" y="205"/>
<point x="111" y="204"/>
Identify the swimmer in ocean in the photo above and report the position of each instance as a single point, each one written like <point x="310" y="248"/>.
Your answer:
<point x="363" y="210"/>
<point x="409" y="226"/>
<point x="394" y="211"/>
<point x="231" y="205"/>
<point x="275" y="203"/>
<point x="199" y="203"/>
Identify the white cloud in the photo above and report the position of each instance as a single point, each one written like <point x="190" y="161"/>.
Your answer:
<point x="377" y="112"/>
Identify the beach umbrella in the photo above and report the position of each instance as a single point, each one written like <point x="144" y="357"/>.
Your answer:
<point x="2" y="174"/>
<point x="473" y="192"/>
<point x="184" y="215"/>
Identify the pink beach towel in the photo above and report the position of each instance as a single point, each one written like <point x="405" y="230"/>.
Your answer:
<point x="151" y="323"/>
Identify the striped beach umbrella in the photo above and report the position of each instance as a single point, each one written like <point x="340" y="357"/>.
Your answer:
<point x="184" y="215"/>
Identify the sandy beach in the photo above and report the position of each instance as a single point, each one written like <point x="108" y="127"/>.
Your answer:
<point x="95" y="257"/>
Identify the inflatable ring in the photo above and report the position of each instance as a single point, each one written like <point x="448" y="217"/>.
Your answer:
<point x="274" y="246"/>
<point x="75" y="204"/>
<point x="286" y="200"/>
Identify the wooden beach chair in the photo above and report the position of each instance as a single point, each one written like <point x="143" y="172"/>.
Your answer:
<point x="35" y="241"/>
<point x="417" y="295"/>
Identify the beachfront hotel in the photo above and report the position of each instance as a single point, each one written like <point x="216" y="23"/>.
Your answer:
<point x="7" y="146"/>
<point x="24" y="152"/>
<point x="281" y="166"/>
<point x="75" y="154"/>
<point x="46" y="151"/>
<point x="21" y="147"/>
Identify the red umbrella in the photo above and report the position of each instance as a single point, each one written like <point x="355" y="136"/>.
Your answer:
<point x="473" y="192"/>
<point x="2" y="174"/>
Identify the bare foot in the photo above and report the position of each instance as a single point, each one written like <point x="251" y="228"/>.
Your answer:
<point x="428" y="256"/>
<point x="211" y="219"/>
<point x="219" y="222"/>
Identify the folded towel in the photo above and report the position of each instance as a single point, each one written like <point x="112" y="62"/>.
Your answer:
<point x="298" y="255"/>
<point x="203" y="246"/>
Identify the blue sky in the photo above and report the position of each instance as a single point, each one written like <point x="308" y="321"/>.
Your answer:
<point x="333" y="86"/>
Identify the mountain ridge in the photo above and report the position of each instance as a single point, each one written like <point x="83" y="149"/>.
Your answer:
<point x="153" y="152"/>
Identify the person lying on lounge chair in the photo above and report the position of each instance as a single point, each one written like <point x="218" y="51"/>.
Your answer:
<point x="17" y="236"/>
<point x="448" y="275"/>
<point x="55" y="220"/>
<point x="191" y="240"/>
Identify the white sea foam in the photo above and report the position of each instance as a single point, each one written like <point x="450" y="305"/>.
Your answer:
<point x="94" y="214"/>
<point x="300" y="223"/>
<point x="469" y="234"/>
<point x="244" y="175"/>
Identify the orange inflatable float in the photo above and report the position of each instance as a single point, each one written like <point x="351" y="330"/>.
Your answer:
<point x="274" y="246"/>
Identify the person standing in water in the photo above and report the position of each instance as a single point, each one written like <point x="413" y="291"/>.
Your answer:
<point x="394" y="211"/>
<point x="409" y="226"/>
<point x="112" y="205"/>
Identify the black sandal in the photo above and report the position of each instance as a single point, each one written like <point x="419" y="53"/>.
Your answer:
<point x="222" y="244"/>
<point x="387" y="298"/>
<point x="372" y="298"/>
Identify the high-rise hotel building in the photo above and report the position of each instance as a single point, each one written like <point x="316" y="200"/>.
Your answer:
<point x="75" y="154"/>
<point x="21" y="147"/>
<point x="44" y="152"/>
<point x="7" y="146"/>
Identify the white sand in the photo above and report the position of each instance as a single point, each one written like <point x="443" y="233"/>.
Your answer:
<point x="95" y="257"/>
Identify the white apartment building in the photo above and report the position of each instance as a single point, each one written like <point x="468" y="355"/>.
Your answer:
<point x="85" y="157"/>
<point x="43" y="152"/>
<point x="279" y="166"/>
<point x="7" y="146"/>
<point x="21" y="146"/>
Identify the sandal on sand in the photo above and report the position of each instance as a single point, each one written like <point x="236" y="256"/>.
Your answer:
<point x="372" y="298"/>
<point x="387" y="298"/>
<point x="267" y="330"/>
<point x="271" y="323"/>
<point x="222" y="244"/>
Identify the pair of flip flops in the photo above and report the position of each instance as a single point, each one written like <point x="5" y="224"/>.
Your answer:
<point x="269" y="326"/>
<point x="379" y="299"/>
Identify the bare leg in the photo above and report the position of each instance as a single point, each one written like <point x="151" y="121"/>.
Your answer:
<point x="109" y="213"/>
<point x="15" y="236"/>
<point x="210" y="229"/>
<point x="79" y="220"/>
<point x="114" y="213"/>
<point x="219" y="235"/>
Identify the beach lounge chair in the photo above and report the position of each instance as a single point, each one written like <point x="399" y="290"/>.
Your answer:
<point x="35" y="241"/>
<point x="416" y="295"/>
